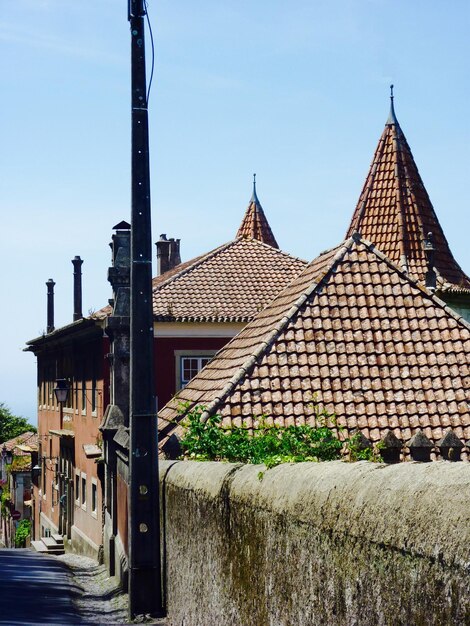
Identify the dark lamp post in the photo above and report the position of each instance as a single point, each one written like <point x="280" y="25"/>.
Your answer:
<point x="61" y="390"/>
<point x="145" y="583"/>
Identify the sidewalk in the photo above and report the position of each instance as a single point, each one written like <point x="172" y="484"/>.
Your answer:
<point x="100" y="601"/>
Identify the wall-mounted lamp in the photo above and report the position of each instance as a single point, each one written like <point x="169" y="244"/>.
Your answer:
<point x="35" y="473"/>
<point x="61" y="390"/>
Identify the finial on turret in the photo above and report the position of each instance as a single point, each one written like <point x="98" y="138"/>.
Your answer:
<point x="254" y="197"/>
<point x="392" y="118"/>
<point x="430" y="251"/>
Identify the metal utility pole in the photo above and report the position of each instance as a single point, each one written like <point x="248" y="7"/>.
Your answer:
<point x="145" y="593"/>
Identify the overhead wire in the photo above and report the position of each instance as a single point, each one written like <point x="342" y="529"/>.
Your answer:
<point x="152" y="67"/>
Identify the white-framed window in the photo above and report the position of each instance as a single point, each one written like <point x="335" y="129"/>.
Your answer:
<point x="190" y="366"/>
<point x="77" y="488"/>
<point x="94" y="498"/>
<point x="83" y="491"/>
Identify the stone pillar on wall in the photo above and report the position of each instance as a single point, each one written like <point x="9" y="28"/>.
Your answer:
<point x="116" y="418"/>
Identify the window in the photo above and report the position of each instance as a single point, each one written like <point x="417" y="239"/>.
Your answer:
<point x="77" y="489"/>
<point x="44" y="480"/>
<point x="188" y="363"/>
<point x="190" y="366"/>
<point x="83" y="493"/>
<point x="83" y="394"/>
<point x="94" y="499"/>
<point x="69" y="401"/>
<point x="75" y="402"/>
<point x="93" y="391"/>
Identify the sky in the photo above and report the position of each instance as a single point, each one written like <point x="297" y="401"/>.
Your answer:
<point x="297" y="92"/>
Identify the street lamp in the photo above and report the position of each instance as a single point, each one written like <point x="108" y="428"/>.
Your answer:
<point x="61" y="391"/>
<point x="35" y="473"/>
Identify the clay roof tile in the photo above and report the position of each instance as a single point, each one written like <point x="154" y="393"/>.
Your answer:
<point x="395" y="213"/>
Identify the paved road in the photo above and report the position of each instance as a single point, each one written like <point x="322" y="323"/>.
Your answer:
<point x="35" y="589"/>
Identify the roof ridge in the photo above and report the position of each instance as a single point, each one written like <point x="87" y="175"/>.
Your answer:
<point x="367" y="188"/>
<point x="414" y="282"/>
<point x="192" y="266"/>
<point x="201" y="259"/>
<point x="267" y="245"/>
<point x="274" y="333"/>
<point x="400" y="165"/>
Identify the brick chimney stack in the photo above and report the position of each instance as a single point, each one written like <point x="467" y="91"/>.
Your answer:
<point x="77" y="288"/>
<point x="168" y="254"/>
<point x="163" y="255"/>
<point x="175" y="257"/>
<point x="50" y="305"/>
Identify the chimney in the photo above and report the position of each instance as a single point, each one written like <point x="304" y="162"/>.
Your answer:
<point x="175" y="257"/>
<point x="50" y="305"/>
<point x="77" y="288"/>
<point x="163" y="255"/>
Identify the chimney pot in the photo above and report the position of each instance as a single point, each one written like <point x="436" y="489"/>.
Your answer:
<point x="175" y="257"/>
<point x="163" y="255"/>
<point x="77" y="288"/>
<point x="50" y="305"/>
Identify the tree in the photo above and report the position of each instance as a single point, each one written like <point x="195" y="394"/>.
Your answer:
<point x="12" y="425"/>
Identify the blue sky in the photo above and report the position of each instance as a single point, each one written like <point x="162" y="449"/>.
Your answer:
<point x="296" y="92"/>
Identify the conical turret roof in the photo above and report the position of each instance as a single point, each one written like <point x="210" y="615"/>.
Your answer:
<point x="395" y="213"/>
<point x="254" y="224"/>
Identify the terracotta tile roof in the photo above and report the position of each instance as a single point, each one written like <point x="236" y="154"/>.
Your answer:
<point x="395" y="213"/>
<point x="230" y="284"/>
<point x="354" y="332"/>
<point x="254" y="224"/>
<point x="156" y="282"/>
<point x="27" y="439"/>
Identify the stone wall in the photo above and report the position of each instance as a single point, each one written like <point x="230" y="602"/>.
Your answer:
<point x="316" y="543"/>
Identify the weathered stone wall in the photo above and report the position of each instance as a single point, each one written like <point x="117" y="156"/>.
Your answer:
<point x="317" y="543"/>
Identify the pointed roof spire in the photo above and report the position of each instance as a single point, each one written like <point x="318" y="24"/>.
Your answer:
<point x="254" y="224"/>
<point x="254" y="197"/>
<point x="395" y="213"/>
<point x="392" y="118"/>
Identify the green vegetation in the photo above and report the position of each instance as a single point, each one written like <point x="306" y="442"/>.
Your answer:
<point x="357" y="451"/>
<point x="269" y="444"/>
<point x="12" y="425"/>
<point x="23" y="531"/>
<point x="5" y="501"/>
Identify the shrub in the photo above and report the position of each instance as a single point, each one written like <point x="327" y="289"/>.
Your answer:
<point x="269" y="444"/>
<point x="23" y="531"/>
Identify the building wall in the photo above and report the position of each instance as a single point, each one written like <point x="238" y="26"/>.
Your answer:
<point x="122" y="525"/>
<point x="167" y="351"/>
<point x="82" y="360"/>
<point x="84" y="365"/>
<point x="461" y="305"/>
<point x="316" y="543"/>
